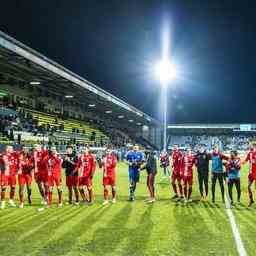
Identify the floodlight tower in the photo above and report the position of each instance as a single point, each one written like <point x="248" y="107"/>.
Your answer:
<point x="165" y="72"/>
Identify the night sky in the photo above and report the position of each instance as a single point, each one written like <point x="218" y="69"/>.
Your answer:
<point x="115" y="44"/>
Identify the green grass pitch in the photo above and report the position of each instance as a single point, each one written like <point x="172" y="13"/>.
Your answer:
<point x="162" y="228"/>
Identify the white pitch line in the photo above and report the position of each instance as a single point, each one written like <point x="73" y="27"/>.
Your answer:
<point x="239" y="243"/>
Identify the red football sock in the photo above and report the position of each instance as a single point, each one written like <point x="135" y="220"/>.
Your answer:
<point x="49" y="198"/>
<point x="105" y="193"/>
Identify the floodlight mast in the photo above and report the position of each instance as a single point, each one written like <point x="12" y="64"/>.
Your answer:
<point x="165" y="72"/>
<point x="165" y="103"/>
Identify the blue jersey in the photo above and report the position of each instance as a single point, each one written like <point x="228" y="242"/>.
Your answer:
<point x="234" y="174"/>
<point x="233" y="168"/>
<point x="134" y="158"/>
<point x="217" y="165"/>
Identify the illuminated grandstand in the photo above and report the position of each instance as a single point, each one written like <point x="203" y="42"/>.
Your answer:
<point x="66" y="104"/>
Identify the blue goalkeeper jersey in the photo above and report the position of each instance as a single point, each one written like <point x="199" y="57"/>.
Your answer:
<point x="133" y="158"/>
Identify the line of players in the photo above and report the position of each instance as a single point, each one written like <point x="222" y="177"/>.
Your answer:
<point x="223" y="168"/>
<point x="46" y="166"/>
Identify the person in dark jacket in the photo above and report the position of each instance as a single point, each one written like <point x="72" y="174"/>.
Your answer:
<point x="151" y="167"/>
<point x="69" y="164"/>
<point x="202" y="164"/>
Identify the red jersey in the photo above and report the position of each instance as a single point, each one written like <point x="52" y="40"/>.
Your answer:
<point x="109" y="165"/>
<point x="54" y="165"/>
<point x="25" y="163"/>
<point x="11" y="163"/>
<point x="251" y="158"/>
<point x="187" y="165"/>
<point x="176" y="161"/>
<point x="41" y="161"/>
<point x="87" y="165"/>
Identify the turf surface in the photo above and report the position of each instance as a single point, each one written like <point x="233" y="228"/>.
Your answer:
<point x="162" y="228"/>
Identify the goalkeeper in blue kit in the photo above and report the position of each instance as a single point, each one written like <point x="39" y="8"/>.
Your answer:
<point x="134" y="159"/>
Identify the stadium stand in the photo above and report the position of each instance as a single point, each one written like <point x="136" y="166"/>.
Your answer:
<point x="55" y="102"/>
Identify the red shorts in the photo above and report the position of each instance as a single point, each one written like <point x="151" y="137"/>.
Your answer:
<point x="71" y="181"/>
<point x="54" y="179"/>
<point x="25" y="179"/>
<point x="251" y="177"/>
<point x="109" y="180"/>
<point x="188" y="180"/>
<point x="3" y="179"/>
<point x="41" y="177"/>
<point x="85" y="181"/>
<point x="11" y="180"/>
<point x="176" y="176"/>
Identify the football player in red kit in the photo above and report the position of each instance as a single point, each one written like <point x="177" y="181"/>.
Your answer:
<point x="3" y="180"/>
<point x="251" y="158"/>
<point x="40" y="161"/>
<point x="1" y="172"/>
<point x="11" y="162"/>
<point x="109" y="162"/>
<point x="86" y="168"/>
<point x="176" y="159"/>
<point x="187" y="164"/>
<point x="25" y="175"/>
<point x="54" y="176"/>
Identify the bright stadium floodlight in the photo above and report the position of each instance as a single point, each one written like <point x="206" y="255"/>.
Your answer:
<point x="91" y="105"/>
<point x="108" y="111"/>
<point x="165" y="71"/>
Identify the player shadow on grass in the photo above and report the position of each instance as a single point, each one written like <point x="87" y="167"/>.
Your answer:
<point x="18" y="220"/>
<point x="106" y="240"/>
<point x="68" y="240"/>
<point x="247" y="218"/>
<point x="46" y="219"/>
<point x="141" y="234"/>
<point x="13" y="214"/>
<point x="191" y="217"/>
